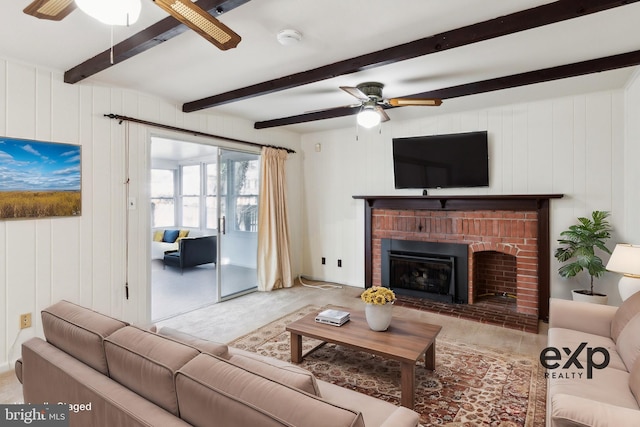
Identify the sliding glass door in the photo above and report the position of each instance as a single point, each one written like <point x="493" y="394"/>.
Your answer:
<point x="201" y="192"/>
<point x="237" y="207"/>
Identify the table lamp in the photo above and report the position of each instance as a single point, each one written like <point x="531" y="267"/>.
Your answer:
<point x="625" y="259"/>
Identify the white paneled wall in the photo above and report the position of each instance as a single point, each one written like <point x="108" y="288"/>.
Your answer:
<point x="574" y="146"/>
<point x="84" y="259"/>
<point x="631" y="173"/>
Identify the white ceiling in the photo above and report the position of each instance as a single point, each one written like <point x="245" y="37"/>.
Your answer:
<point x="187" y="68"/>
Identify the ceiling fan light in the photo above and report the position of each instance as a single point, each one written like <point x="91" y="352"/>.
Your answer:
<point x="112" y="12"/>
<point x="368" y="118"/>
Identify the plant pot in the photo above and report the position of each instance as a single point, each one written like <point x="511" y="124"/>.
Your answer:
<point x="584" y="296"/>
<point x="378" y="316"/>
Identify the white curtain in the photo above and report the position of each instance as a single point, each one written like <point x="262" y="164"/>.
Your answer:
<point x="274" y="259"/>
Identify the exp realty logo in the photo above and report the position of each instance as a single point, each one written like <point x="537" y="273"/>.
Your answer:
<point x="37" y="415"/>
<point x="550" y="356"/>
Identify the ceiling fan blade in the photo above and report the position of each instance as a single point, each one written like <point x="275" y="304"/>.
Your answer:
<point x="53" y="10"/>
<point x="403" y="102"/>
<point x="383" y="114"/>
<point x="201" y="21"/>
<point x="355" y="92"/>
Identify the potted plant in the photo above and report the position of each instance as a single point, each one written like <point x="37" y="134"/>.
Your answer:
<point x="578" y="250"/>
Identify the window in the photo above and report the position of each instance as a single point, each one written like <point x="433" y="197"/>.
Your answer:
<point x="243" y="197"/>
<point x="190" y="196"/>
<point x="163" y="212"/>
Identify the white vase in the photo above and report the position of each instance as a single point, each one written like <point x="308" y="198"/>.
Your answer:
<point x="594" y="299"/>
<point x="378" y="316"/>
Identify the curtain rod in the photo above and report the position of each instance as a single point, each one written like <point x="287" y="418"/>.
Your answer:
<point x="192" y="132"/>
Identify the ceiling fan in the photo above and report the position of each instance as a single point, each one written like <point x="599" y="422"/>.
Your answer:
<point x="372" y="103"/>
<point x="185" y="11"/>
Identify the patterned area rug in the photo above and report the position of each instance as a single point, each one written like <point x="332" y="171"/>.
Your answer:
<point x="470" y="386"/>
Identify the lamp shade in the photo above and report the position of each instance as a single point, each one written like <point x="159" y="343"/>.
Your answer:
<point x="625" y="259"/>
<point x="368" y="118"/>
<point x="112" y="12"/>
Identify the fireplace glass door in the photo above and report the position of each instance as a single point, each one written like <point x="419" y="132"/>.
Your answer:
<point x="433" y="275"/>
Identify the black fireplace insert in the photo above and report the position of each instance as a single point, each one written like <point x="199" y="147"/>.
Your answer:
<point x="433" y="270"/>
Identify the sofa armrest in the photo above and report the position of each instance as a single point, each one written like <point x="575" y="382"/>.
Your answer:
<point x="402" y="417"/>
<point x="574" y="411"/>
<point x="18" y="369"/>
<point x="581" y="316"/>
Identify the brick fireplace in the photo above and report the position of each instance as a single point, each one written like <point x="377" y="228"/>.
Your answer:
<point x="507" y="239"/>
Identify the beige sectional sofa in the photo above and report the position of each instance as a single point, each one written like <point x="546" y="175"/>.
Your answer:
<point x="610" y="397"/>
<point x="116" y="374"/>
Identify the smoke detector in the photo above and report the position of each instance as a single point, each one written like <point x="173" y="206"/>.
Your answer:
<point x="289" y="37"/>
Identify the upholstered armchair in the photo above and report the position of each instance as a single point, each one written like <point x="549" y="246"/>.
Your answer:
<point x="192" y="252"/>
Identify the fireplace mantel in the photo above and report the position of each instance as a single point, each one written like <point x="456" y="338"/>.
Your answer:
<point x="518" y="202"/>
<point x="538" y="203"/>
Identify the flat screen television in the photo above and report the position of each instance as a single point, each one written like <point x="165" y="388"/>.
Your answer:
<point x="441" y="161"/>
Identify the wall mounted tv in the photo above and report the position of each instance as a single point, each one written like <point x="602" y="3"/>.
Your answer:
<point x="441" y="161"/>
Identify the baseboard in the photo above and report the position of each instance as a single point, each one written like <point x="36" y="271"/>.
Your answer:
<point x="6" y="367"/>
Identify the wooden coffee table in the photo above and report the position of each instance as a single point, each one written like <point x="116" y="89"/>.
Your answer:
<point x="405" y="341"/>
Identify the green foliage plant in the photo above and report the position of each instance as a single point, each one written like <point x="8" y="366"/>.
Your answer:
<point x="578" y="247"/>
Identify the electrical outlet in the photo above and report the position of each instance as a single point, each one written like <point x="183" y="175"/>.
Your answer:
<point x="339" y="263"/>
<point x="25" y="320"/>
<point x="324" y="260"/>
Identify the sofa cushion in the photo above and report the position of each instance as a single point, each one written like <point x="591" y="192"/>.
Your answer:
<point x="278" y="370"/>
<point x="609" y="386"/>
<point x="210" y="385"/>
<point x="170" y="236"/>
<point x="628" y="344"/>
<point x="79" y="331"/>
<point x="205" y="346"/>
<point x="374" y="411"/>
<point x="625" y="313"/>
<point x="567" y="410"/>
<point x="145" y="363"/>
<point x="634" y="380"/>
<point x="561" y="338"/>
<point x="158" y="235"/>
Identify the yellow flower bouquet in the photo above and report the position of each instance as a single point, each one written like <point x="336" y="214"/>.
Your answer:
<point x="378" y="295"/>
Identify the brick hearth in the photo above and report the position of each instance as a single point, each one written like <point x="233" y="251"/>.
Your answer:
<point x="505" y="232"/>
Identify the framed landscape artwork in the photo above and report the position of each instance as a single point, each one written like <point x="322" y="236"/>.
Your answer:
<point x="39" y="179"/>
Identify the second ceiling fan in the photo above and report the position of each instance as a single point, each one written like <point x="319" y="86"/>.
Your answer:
<point x="185" y="11"/>
<point x="373" y="104"/>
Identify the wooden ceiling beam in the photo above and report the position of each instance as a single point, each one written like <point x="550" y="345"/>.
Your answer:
<point x="608" y="63"/>
<point x="598" y="65"/>
<point x="151" y="36"/>
<point x="550" y="13"/>
<point x="308" y="117"/>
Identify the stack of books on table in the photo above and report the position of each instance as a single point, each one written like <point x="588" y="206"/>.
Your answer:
<point x="333" y="317"/>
